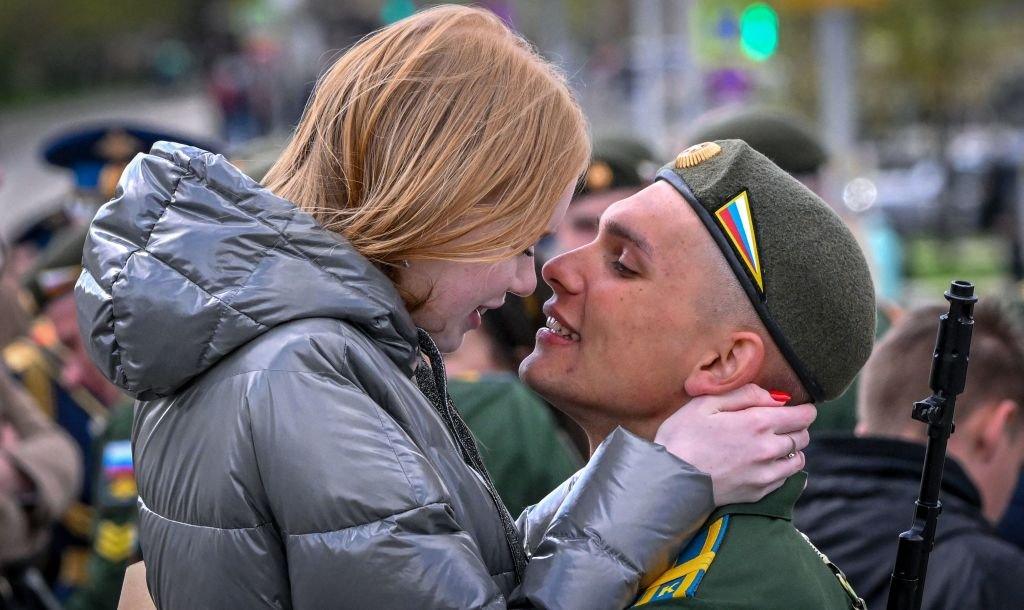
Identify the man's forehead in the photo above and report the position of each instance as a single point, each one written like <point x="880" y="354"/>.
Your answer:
<point x="658" y="213"/>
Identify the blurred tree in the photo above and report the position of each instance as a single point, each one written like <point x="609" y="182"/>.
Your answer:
<point x="61" y="45"/>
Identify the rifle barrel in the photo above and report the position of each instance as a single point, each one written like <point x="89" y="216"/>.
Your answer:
<point x="948" y="379"/>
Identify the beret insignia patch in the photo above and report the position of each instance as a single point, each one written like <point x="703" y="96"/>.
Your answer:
<point x="697" y="154"/>
<point x="737" y="222"/>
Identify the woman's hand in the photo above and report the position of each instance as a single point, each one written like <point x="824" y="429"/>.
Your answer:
<point x="742" y="439"/>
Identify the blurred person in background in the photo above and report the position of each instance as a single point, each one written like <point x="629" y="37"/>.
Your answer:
<point x="1011" y="527"/>
<point x="862" y="488"/>
<point x="99" y="534"/>
<point x="40" y="469"/>
<point x="110" y="534"/>
<point x="39" y="360"/>
<point x="294" y="442"/>
<point x="96" y="535"/>
<point x="999" y="212"/>
<point x="790" y="142"/>
<point x="619" y="168"/>
<point x="501" y="411"/>
<point x="787" y="139"/>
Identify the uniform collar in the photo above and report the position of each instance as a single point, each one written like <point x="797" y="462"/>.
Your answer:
<point x="777" y="505"/>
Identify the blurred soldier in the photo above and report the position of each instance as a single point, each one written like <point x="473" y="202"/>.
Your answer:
<point x="100" y="533"/>
<point x="32" y="238"/>
<point x="862" y="489"/>
<point x="501" y="411"/>
<point x="786" y="139"/>
<point x="114" y="529"/>
<point x="619" y="168"/>
<point x="97" y="155"/>
<point x="40" y="471"/>
<point x="793" y="145"/>
<point x="36" y="360"/>
<point x="90" y="547"/>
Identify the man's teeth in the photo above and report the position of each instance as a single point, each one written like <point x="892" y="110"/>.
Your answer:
<point x="560" y="330"/>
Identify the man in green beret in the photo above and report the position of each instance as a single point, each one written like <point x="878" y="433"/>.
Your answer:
<point x="725" y="272"/>
<point x="793" y="144"/>
<point x="619" y="168"/>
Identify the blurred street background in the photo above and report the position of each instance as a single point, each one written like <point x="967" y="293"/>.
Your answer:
<point x="919" y="101"/>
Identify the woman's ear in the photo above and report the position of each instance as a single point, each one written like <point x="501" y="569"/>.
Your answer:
<point x="735" y="362"/>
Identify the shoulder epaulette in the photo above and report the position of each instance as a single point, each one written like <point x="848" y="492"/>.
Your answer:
<point x="683" y="578"/>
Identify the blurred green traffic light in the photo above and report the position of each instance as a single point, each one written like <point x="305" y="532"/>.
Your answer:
<point x="396" y="10"/>
<point x="759" y="31"/>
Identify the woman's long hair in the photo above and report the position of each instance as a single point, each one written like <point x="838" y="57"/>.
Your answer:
<point x="430" y="128"/>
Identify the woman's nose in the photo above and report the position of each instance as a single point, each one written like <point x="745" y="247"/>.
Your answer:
<point x="525" y="281"/>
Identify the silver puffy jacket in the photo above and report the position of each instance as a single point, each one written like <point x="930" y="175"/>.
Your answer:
<point x="285" y="457"/>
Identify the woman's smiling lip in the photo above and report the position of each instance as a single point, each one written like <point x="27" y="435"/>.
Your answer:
<point x="476" y="317"/>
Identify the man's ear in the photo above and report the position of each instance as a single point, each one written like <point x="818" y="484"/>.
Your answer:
<point x="733" y="362"/>
<point x="995" y="429"/>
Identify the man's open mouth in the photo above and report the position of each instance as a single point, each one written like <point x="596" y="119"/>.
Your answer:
<point x="556" y="327"/>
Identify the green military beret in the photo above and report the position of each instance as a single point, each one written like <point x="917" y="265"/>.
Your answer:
<point x="798" y="263"/>
<point x="784" y="138"/>
<point x="617" y="163"/>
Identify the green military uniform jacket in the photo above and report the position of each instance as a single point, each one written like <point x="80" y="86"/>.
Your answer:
<point x="525" y="452"/>
<point x="114" y="535"/>
<point x="751" y="556"/>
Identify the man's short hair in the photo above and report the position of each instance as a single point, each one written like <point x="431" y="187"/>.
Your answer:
<point x="897" y="373"/>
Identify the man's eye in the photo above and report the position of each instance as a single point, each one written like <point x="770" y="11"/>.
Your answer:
<point x="622" y="270"/>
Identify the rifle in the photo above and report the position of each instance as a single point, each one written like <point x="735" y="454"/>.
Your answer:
<point x="948" y="376"/>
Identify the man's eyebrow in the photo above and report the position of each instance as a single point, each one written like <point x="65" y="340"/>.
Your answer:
<point x="621" y="231"/>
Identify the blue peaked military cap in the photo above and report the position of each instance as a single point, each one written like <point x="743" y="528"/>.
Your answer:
<point x="85" y="150"/>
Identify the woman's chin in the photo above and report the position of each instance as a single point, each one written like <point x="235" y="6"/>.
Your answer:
<point x="448" y="341"/>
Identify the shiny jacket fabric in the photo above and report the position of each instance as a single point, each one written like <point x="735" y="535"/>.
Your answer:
<point x="284" y="456"/>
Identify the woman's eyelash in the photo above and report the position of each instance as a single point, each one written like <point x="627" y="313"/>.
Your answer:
<point x="530" y="251"/>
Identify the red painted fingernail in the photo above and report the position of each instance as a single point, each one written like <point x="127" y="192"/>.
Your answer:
<point x="780" y="396"/>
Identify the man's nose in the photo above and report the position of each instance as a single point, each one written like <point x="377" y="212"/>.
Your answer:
<point x="561" y="274"/>
<point x="525" y="280"/>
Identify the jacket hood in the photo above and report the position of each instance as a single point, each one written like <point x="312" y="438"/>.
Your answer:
<point x="193" y="259"/>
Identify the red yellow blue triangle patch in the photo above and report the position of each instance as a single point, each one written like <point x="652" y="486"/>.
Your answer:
<point x="738" y="223"/>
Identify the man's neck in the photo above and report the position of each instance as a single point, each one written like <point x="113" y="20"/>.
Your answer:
<point x="597" y="427"/>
